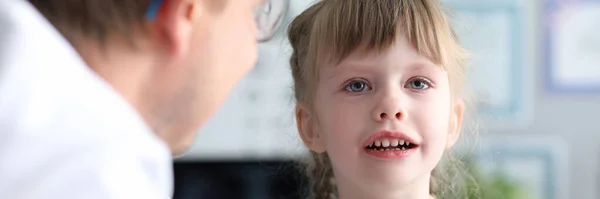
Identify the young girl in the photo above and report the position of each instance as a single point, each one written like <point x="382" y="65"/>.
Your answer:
<point x="379" y="98"/>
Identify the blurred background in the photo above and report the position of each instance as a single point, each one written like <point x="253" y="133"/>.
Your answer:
<point x="534" y="135"/>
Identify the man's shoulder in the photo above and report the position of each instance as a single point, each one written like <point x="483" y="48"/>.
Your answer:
<point x="88" y="138"/>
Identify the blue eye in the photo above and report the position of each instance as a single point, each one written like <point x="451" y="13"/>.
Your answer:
<point x="357" y="86"/>
<point x="419" y="84"/>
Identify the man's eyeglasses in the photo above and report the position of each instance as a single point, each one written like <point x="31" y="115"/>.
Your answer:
<point x="268" y="16"/>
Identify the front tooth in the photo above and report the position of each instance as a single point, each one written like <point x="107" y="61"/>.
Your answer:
<point x="377" y="143"/>
<point x="385" y="143"/>
<point x="394" y="143"/>
<point x="403" y="148"/>
<point x="401" y="142"/>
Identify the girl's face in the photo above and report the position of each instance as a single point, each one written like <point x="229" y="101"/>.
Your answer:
<point x="384" y="119"/>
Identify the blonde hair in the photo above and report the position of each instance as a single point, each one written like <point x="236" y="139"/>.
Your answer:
<point x="330" y="30"/>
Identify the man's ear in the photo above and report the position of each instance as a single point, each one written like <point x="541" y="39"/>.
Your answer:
<point x="175" y="22"/>
<point x="306" y="128"/>
<point x="456" y="119"/>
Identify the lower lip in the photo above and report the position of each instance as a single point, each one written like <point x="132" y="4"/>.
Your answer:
<point x="391" y="153"/>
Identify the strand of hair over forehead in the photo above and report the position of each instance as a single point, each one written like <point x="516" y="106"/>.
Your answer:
<point x="342" y="26"/>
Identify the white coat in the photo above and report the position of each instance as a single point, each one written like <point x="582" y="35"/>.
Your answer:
<point x="64" y="132"/>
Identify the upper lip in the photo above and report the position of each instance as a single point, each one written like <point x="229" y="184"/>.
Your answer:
<point x="389" y="135"/>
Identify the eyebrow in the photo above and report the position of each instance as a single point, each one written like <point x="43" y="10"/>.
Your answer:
<point x="357" y="66"/>
<point x="424" y="66"/>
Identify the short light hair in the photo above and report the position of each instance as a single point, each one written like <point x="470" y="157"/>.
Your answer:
<point x="95" y="19"/>
<point x="98" y="19"/>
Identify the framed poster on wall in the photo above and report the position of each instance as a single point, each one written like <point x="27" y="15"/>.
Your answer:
<point x="572" y="45"/>
<point x="497" y="34"/>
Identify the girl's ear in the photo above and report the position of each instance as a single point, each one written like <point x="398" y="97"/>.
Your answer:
<point x="456" y="119"/>
<point x="306" y="129"/>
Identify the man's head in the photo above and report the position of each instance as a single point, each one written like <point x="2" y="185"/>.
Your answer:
<point x="176" y="66"/>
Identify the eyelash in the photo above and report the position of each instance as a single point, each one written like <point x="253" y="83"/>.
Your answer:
<point x="428" y="83"/>
<point x="360" y="80"/>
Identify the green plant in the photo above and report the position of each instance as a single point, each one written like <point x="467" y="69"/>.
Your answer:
<point x="495" y="186"/>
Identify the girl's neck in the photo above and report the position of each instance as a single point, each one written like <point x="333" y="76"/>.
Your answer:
<point x="419" y="189"/>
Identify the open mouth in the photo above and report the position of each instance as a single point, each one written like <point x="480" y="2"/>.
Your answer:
<point x="390" y="144"/>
